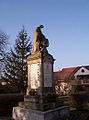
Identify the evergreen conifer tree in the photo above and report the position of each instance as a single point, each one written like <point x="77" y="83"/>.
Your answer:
<point x="16" y="62"/>
<point x="3" y="46"/>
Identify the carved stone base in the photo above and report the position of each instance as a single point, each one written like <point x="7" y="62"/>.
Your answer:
<point x="60" y="113"/>
<point x="41" y="103"/>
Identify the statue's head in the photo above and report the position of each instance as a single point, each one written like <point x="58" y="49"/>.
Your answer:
<point x="41" y="26"/>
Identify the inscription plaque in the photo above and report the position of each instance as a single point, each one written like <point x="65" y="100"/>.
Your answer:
<point x="34" y="75"/>
<point x="47" y="75"/>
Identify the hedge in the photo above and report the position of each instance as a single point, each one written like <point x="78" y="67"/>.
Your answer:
<point x="8" y="101"/>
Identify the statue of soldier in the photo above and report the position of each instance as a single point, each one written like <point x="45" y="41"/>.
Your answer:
<point x="40" y="42"/>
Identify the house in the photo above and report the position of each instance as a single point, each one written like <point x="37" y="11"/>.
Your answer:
<point x="66" y="79"/>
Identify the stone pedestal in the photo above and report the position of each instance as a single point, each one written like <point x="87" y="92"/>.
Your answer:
<point x="40" y="73"/>
<point x="60" y="113"/>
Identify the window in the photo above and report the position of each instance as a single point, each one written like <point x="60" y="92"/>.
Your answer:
<point x="82" y="70"/>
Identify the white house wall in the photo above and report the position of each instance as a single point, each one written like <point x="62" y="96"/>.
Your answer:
<point x="79" y="72"/>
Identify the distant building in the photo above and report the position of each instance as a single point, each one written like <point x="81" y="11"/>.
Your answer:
<point x="67" y="78"/>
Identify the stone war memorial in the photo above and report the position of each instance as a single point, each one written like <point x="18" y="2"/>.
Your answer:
<point x="40" y="101"/>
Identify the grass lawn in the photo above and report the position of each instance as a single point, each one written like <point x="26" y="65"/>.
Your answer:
<point x="67" y="101"/>
<point x="75" y="114"/>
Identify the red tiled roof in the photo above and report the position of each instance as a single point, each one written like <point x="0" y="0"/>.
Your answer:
<point x="87" y="67"/>
<point x="67" y="72"/>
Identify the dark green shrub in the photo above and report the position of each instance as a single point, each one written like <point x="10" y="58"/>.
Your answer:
<point x="80" y="99"/>
<point x="8" y="101"/>
<point x="50" y="97"/>
<point x="32" y="92"/>
<point x="79" y="88"/>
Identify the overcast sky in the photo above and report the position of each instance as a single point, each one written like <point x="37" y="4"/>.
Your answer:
<point x="66" y="25"/>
